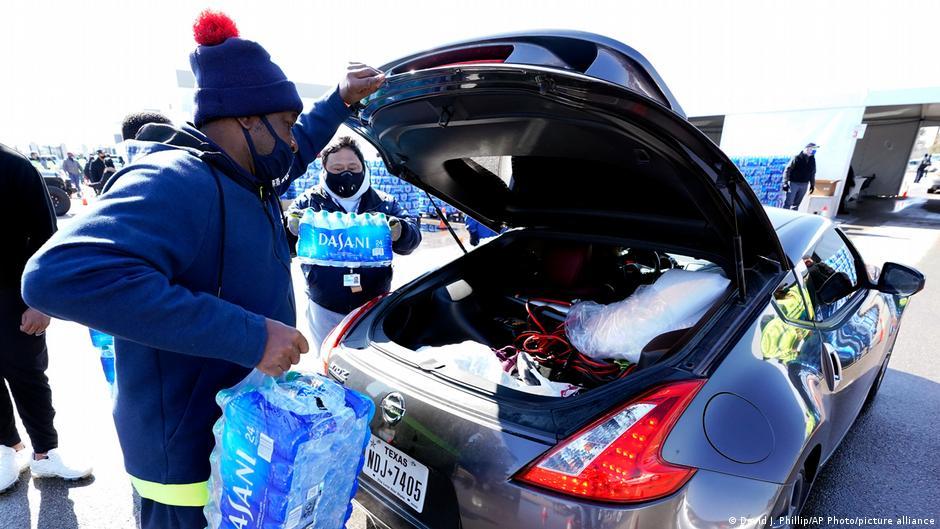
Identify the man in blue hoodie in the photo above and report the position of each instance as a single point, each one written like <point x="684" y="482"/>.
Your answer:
<point x="185" y="261"/>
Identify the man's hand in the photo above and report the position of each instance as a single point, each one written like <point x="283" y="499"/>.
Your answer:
<point x="395" y="225"/>
<point x="812" y="189"/>
<point x="282" y="350"/>
<point x="786" y="187"/>
<point x="360" y="82"/>
<point x="34" y="322"/>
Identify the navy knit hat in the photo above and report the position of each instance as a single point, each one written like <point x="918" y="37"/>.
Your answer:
<point x="235" y="77"/>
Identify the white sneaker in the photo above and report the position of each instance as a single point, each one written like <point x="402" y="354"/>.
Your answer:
<point x="12" y="464"/>
<point x="55" y="467"/>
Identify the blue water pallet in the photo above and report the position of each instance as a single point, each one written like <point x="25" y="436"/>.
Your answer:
<point x="765" y="176"/>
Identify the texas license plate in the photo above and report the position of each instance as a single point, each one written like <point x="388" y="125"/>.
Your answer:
<point x="396" y="472"/>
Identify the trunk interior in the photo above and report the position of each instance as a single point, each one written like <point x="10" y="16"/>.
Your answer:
<point x="513" y="295"/>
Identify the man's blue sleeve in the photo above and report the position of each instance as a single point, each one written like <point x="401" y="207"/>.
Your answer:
<point x="410" y="230"/>
<point x="313" y="131"/>
<point x="114" y="269"/>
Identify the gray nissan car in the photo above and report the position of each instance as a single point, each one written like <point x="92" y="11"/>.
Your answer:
<point x="572" y="147"/>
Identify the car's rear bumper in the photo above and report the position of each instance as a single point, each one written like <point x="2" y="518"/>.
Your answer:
<point x="710" y="500"/>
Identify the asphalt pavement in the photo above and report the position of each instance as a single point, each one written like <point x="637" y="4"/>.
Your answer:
<point x="887" y="465"/>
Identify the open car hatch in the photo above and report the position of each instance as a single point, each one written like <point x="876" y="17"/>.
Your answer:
<point x="564" y="130"/>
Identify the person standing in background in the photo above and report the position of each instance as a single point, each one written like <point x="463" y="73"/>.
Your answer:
<point x="73" y="169"/>
<point x="922" y="168"/>
<point x="28" y="222"/>
<point x="101" y="170"/>
<point x="800" y="176"/>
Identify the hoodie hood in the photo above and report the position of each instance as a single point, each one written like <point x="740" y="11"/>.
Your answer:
<point x="157" y="137"/>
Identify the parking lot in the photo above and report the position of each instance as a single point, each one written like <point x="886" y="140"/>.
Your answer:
<point x="886" y="466"/>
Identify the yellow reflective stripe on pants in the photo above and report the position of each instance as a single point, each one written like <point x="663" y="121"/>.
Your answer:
<point x="180" y="495"/>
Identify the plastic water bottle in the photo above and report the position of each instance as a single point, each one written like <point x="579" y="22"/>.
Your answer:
<point x="338" y="221"/>
<point x="100" y="339"/>
<point x="382" y="241"/>
<point x="305" y="234"/>
<point x="367" y="234"/>
<point x="107" y="364"/>
<point x="338" y="226"/>
<point x="352" y="236"/>
<point x="320" y="253"/>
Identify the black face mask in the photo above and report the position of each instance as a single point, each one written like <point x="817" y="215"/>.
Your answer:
<point x="345" y="184"/>
<point x="276" y="164"/>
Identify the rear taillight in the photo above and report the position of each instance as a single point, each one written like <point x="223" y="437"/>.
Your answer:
<point x="618" y="457"/>
<point x="339" y="332"/>
<point x="466" y="63"/>
<point x="497" y="53"/>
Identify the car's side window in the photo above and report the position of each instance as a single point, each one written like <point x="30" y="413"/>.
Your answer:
<point x="832" y="275"/>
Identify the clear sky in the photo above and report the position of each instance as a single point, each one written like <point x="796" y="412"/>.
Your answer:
<point x="71" y="69"/>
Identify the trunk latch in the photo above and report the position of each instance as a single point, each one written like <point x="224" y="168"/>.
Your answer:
<point x="446" y="113"/>
<point x="546" y="84"/>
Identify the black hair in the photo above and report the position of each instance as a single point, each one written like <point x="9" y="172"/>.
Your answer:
<point x="345" y="142"/>
<point x="134" y="121"/>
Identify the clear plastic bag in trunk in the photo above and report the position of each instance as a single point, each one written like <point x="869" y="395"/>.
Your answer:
<point x="677" y="300"/>
<point x="521" y="373"/>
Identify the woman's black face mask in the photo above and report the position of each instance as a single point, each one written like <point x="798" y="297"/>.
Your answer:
<point x="346" y="183"/>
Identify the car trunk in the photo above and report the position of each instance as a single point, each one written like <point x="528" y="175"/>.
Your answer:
<point x="539" y="274"/>
<point x="465" y="436"/>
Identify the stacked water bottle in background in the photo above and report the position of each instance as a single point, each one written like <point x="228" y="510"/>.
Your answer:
<point x="344" y="239"/>
<point x="105" y="344"/>
<point x="765" y="176"/>
<point x="287" y="453"/>
<point x="408" y="196"/>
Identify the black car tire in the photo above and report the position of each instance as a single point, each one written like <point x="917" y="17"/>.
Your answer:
<point x="876" y="385"/>
<point x="798" y="496"/>
<point x="60" y="201"/>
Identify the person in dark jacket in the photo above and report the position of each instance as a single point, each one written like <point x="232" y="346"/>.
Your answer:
<point x="184" y="261"/>
<point x="922" y="168"/>
<point x="100" y="171"/>
<point x="28" y="220"/>
<point x="345" y="186"/>
<point x="800" y="176"/>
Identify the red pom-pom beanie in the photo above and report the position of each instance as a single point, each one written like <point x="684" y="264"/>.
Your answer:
<point x="235" y="77"/>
